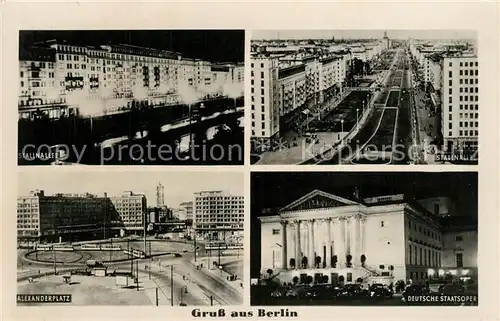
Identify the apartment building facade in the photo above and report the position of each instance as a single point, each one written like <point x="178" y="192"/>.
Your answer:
<point x="217" y="214"/>
<point x="96" y="80"/>
<point x="460" y="102"/>
<point x="68" y="217"/>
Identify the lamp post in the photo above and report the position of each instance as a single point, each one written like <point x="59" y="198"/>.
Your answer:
<point x="357" y="118"/>
<point x="342" y="128"/>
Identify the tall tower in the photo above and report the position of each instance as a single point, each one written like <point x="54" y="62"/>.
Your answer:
<point x="385" y="34"/>
<point x="159" y="195"/>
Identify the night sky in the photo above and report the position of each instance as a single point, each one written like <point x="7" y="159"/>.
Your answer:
<point x="277" y="189"/>
<point x="212" y="45"/>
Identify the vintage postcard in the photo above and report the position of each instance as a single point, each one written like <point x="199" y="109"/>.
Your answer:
<point x="131" y="97"/>
<point x="364" y="97"/>
<point x="144" y="241"/>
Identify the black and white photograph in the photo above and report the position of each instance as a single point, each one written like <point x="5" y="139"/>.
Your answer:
<point x="364" y="97"/>
<point x="364" y="238"/>
<point x="130" y="239"/>
<point x="131" y="97"/>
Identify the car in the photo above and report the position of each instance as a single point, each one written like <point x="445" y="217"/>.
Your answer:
<point x="452" y="289"/>
<point x="353" y="290"/>
<point x="414" y="290"/>
<point x="278" y="293"/>
<point x="379" y="290"/>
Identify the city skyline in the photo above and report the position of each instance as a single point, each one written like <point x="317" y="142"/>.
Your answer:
<point x="363" y="34"/>
<point x="184" y="184"/>
<point x="196" y="44"/>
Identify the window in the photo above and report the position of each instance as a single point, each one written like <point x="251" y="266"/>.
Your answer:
<point x="459" y="238"/>
<point x="450" y="74"/>
<point x="451" y="64"/>
<point x="381" y="223"/>
<point x="276" y="231"/>
<point x="449" y="126"/>
<point x="450" y="100"/>
<point x="459" y="260"/>
<point x="349" y="277"/>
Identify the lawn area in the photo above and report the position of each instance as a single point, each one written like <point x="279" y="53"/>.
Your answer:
<point x="393" y="100"/>
<point x="346" y="110"/>
<point x="382" y="140"/>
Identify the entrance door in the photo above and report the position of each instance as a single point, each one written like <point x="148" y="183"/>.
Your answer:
<point x="335" y="278"/>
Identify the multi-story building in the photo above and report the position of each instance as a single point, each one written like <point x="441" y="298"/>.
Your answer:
<point x="379" y="240"/>
<point x="187" y="209"/>
<point x="132" y="210"/>
<point x="38" y="83"/>
<point x="293" y="92"/>
<point x="160" y="195"/>
<point x="265" y="99"/>
<point x="460" y="101"/>
<point x="71" y="216"/>
<point x="217" y="215"/>
<point x="63" y="217"/>
<point x="460" y="248"/>
<point x="432" y="70"/>
<point x="57" y="78"/>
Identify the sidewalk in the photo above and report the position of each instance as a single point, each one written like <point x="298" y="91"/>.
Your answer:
<point x="222" y="275"/>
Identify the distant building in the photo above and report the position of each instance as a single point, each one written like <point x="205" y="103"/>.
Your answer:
<point x="186" y="208"/>
<point x="160" y="195"/>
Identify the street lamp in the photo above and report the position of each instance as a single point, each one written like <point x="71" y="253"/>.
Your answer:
<point x="342" y="128"/>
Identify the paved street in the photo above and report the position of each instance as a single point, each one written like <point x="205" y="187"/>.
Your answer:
<point x="191" y="285"/>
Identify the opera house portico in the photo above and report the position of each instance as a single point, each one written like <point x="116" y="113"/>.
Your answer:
<point x="379" y="239"/>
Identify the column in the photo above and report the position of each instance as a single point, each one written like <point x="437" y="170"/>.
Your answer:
<point x="328" y="257"/>
<point x="342" y="244"/>
<point x="335" y="242"/>
<point x="312" y="257"/>
<point x="357" y="244"/>
<point x="363" y="233"/>
<point x="298" y="256"/>
<point x="348" y="237"/>
<point x="284" y="244"/>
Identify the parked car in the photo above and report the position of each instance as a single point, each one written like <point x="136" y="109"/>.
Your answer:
<point x="452" y="289"/>
<point x="353" y="290"/>
<point x="379" y="290"/>
<point x="414" y="290"/>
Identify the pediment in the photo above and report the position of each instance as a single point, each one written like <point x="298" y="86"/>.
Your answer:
<point x="315" y="200"/>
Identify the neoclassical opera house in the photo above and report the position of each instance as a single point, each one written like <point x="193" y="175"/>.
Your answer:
<point x="380" y="239"/>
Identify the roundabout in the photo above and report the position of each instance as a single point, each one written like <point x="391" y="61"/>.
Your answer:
<point x="78" y="255"/>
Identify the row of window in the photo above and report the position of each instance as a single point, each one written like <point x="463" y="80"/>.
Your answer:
<point x="425" y="231"/>
<point x="465" y="90"/>
<point x="424" y="257"/>
<point x="464" y="98"/>
<point x="465" y="63"/>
